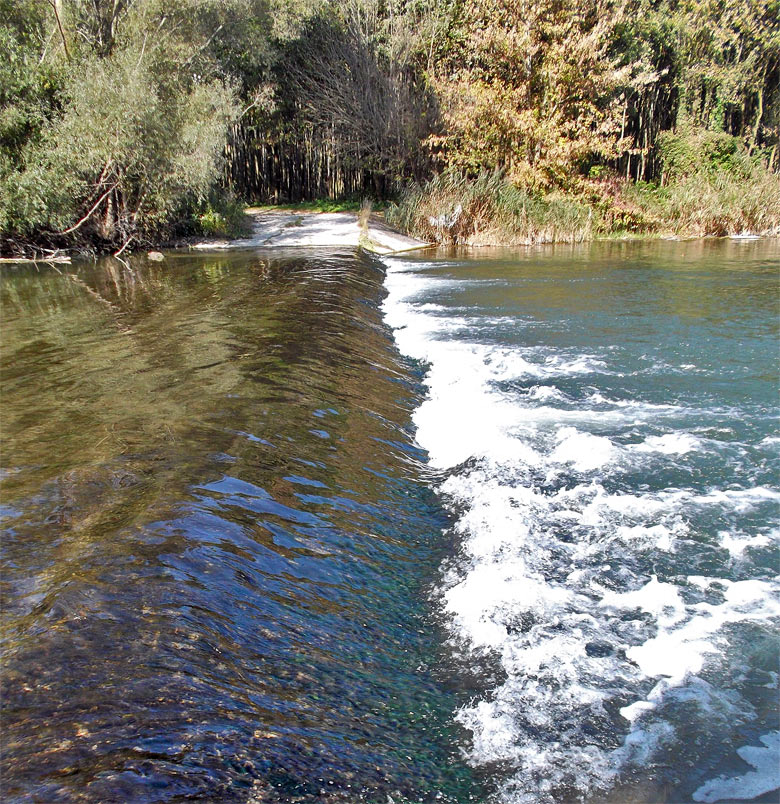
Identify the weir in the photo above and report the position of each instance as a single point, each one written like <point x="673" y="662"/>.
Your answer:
<point x="313" y="525"/>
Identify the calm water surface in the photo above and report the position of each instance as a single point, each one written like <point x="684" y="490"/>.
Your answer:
<point x="314" y="527"/>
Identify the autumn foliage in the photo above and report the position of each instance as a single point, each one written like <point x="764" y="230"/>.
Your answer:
<point x="124" y="122"/>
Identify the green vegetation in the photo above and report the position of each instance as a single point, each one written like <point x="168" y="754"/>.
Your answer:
<point x="571" y="120"/>
<point x="114" y="116"/>
<point x="127" y="122"/>
<point x="709" y="184"/>
<point x="224" y="216"/>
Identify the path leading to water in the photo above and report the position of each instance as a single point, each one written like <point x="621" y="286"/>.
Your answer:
<point x="293" y="228"/>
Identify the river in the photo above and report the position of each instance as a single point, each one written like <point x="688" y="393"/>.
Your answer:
<point x="314" y="526"/>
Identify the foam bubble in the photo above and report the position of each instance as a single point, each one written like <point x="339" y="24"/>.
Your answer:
<point x="737" y="543"/>
<point x="508" y="364"/>
<point x="764" y="778"/>
<point x="685" y="636"/>
<point x="671" y="444"/>
<point x="546" y="393"/>
<point x="583" y="451"/>
<point x="659" y="537"/>
<point x="552" y="580"/>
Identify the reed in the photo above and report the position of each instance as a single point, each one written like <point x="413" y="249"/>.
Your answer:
<point x="486" y="210"/>
<point x="719" y="204"/>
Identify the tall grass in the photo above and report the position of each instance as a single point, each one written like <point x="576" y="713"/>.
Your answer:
<point x="713" y="196"/>
<point x="710" y="185"/>
<point x="718" y="203"/>
<point x="487" y="210"/>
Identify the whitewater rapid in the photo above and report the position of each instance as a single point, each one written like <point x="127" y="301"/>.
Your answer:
<point x="615" y="607"/>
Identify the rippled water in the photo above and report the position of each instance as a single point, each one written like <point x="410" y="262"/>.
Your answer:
<point x="301" y="526"/>
<point x="604" y="421"/>
<point x="218" y="541"/>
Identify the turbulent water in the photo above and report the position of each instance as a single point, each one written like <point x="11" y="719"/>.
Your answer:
<point x="604" y="421"/>
<point x="307" y="526"/>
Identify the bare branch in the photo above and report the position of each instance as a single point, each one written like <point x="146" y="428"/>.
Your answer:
<point x="91" y="211"/>
<point x="53" y="4"/>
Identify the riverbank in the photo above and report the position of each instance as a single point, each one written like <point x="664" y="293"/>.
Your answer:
<point x="282" y="227"/>
<point x="272" y="227"/>
<point x="489" y="210"/>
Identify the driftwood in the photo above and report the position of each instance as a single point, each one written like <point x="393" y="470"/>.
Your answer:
<point x="60" y="258"/>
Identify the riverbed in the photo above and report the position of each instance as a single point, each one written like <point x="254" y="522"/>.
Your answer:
<point x="314" y="525"/>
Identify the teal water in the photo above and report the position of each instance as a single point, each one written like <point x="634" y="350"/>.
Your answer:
<point x="604" y="422"/>
<point x="309" y="526"/>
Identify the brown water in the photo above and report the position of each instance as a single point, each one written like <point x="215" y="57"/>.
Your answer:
<point x="217" y="538"/>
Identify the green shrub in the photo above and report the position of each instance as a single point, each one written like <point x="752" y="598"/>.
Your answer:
<point x="131" y="148"/>
<point x="694" y="151"/>
<point x="728" y="194"/>
<point x="135" y="140"/>
<point x="221" y="216"/>
<point x="714" y="202"/>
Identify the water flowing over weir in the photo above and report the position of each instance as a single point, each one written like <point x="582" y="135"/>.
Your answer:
<point x="218" y="538"/>
<point x="604" y="422"/>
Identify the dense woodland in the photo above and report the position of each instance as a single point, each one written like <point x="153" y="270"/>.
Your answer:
<point x="127" y="122"/>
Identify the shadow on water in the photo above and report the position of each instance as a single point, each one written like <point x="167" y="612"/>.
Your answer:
<point x="217" y="540"/>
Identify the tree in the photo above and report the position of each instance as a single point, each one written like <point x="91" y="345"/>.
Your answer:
<point x="148" y="90"/>
<point x="529" y="88"/>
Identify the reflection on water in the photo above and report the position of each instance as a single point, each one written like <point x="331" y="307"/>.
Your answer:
<point x="216" y="538"/>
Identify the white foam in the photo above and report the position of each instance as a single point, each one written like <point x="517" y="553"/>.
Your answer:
<point x="764" y="778"/>
<point x="546" y="393"/>
<point x="583" y="451"/>
<point x="671" y="444"/>
<point x="673" y="501"/>
<point x="659" y="537"/>
<point x="546" y="582"/>
<point x="508" y="364"/>
<point x="685" y="633"/>
<point x="737" y="543"/>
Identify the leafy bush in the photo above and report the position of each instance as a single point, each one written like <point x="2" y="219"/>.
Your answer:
<point x="714" y="202"/>
<point x="131" y="148"/>
<point x="221" y="216"/>
<point x="694" y="151"/>
<point x="710" y="186"/>
<point x="29" y="87"/>
<point x="136" y="136"/>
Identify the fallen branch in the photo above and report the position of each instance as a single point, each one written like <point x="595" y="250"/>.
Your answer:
<point x="126" y="244"/>
<point x="38" y="259"/>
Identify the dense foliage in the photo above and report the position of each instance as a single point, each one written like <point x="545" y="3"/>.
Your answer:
<point x="114" y="113"/>
<point x="124" y="121"/>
